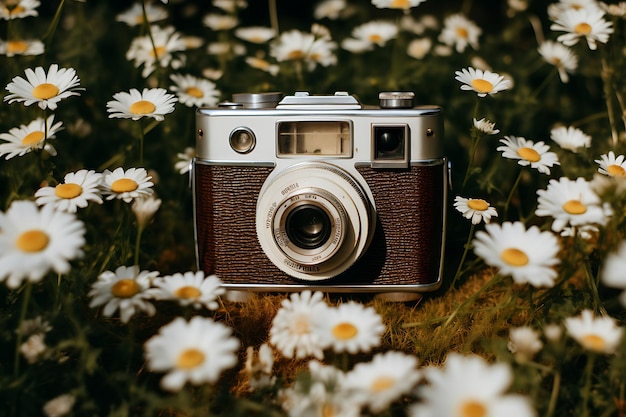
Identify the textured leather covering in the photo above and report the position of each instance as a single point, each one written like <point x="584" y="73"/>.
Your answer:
<point x="406" y="249"/>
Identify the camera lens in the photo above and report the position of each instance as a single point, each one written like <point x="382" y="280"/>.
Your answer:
<point x="308" y="226"/>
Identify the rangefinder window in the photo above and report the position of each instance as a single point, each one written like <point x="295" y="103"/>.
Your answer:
<point x="317" y="138"/>
<point x="390" y="146"/>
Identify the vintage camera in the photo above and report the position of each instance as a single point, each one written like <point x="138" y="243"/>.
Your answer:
<point x="320" y="192"/>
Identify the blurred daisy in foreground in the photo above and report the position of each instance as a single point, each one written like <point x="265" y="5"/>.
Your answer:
<point x="482" y="82"/>
<point x="467" y="386"/>
<point x="612" y="273"/>
<point x="193" y="91"/>
<point x="377" y="32"/>
<point x="258" y="367"/>
<point x="570" y="138"/>
<point x="191" y="288"/>
<point x="383" y="380"/>
<point x="183" y="160"/>
<point x="559" y="55"/>
<point x="583" y="23"/>
<point x="528" y="256"/>
<point x="34" y="241"/>
<point x="195" y="351"/>
<point x="475" y="208"/>
<point x="19" y="9"/>
<point x="255" y="34"/>
<point x="292" y="331"/>
<point x="611" y="165"/>
<point x="527" y="153"/>
<point x="76" y="191"/>
<point x="350" y="327"/>
<point x="524" y="343"/>
<point x="151" y="102"/>
<point x="160" y="49"/>
<point x="397" y="4"/>
<point x="127" y="290"/>
<point x="21" y="47"/>
<point x="571" y="203"/>
<point x="126" y="185"/>
<point x="596" y="334"/>
<point x="45" y="89"/>
<point x="27" y="138"/>
<point x="459" y="31"/>
<point x="485" y="126"/>
<point x="134" y="15"/>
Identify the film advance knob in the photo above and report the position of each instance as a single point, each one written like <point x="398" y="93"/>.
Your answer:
<point x="396" y="99"/>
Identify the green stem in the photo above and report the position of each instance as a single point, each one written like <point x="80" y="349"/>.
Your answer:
<point x="28" y="289"/>
<point x="273" y="10"/>
<point x="141" y="140"/>
<point x="586" y="392"/>
<point x="475" y="139"/>
<point x="510" y="196"/>
<point x="554" y="395"/>
<point x="137" y="245"/>
<point x="465" y="250"/>
<point x="54" y="23"/>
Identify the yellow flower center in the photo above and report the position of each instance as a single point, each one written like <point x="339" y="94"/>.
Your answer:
<point x="194" y="92"/>
<point x="593" y="342"/>
<point x="616" y="171"/>
<point x="124" y="185"/>
<point x="33" y="137"/>
<point x="125" y="288"/>
<point x="462" y="32"/>
<point x="160" y="50"/>
<point x="68" y="190"/>
<point x="472" y="409"/>
<point x="15" y="9"/>
<point x="477" y="204"/>
<point x="190" y="358"/>
<point x="375" y="38"/>
<point x="574" y="207"/>
<point x="400" y="4"/>
<point x="382" y="383"/>
<point x="33" y="241"/>
<point x="142" y="107"/>
<point x="17" y="47"/>
<point x="188" y="292"/>
<point x="514" y="257"/>
<point x="345" y="331"/>
<point x="328" y="410"/>
<point x="529" y="154"/>
<point x="298" y="54"/>
<point x="583" y="28"/>
<point x="482" y="86"/>
<point x="44" y="91"/>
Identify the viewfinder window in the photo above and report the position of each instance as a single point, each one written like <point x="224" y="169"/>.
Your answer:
<point x="315" y="138"/>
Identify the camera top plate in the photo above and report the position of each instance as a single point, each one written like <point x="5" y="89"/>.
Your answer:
<point x="303" y="100"/>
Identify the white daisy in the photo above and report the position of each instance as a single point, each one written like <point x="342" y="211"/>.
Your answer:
<point x="230" y="6"/>
<point x="183" y="160"/>
<point x="144" y="209"/>
<point x="59" y="406"/>
<point x="47" y="90"/>
<point x="528" y="256"/>
<point x="33" y="348"/>
<point x="397" y="4"/>
<point x="295" y="45"/>
<point x="571" y="203"/>
<point x="467" y="386"/>
<point x="482" y="82"/>
<point x="191" y="288"/>
<point x="76" y="191"/>
<point x="617" y="10"/>
<point x="292" y="331"/>
<point x="198" y="351"/>
<point x="258" y="367"/>
<point x="151" y="102"/>
<point x="611" y="165"/>
<point x="583" y="23"/>
<point x="377" y="32"/>
<point x="596" y="334"/>
<point x="559" y="55"/>
<point x="556" y="9"/>
<point x="612" y="272"/>
<point x="22" y="47"/>
<point x="570" y="138"/>
<point x="263" y="64"/>
<point x="219" y="21"/>
<point x="226" y="48"/>
<point x="193" y="91"/>
<point x="476" y="209"/>
<point x="161" y="48"/>
<point x="459" y="31"/>
<point x="126" y="290"/>
<point x="418" y="48"/>
<point x="388" y="377"/>
<point x="126" y="185"/>
<point x="524" y="343"/>
<point x="19" y="9"/>
<point x="485" y="126"/>
<point x="34" y="241"/>
<point x="134" y="15"/>
<point x="527" y="152"/>
<point x="350" y="327"/>
<point x="33" y="136"/>
<point x="331" y="9"/>
<point x="255" y="34"/>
